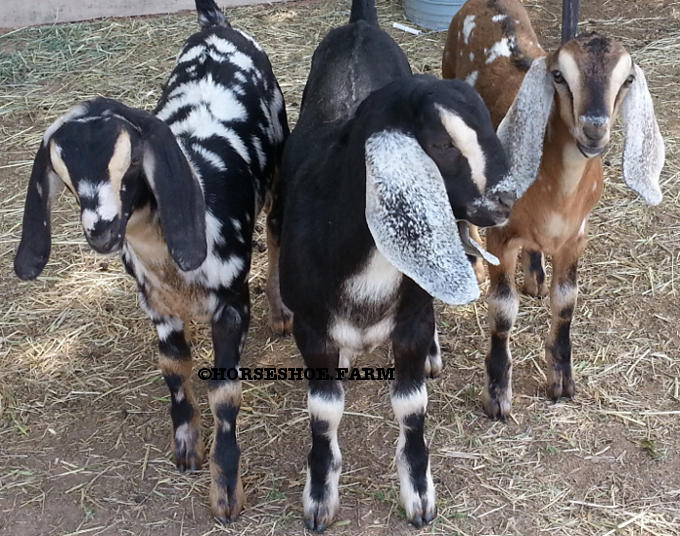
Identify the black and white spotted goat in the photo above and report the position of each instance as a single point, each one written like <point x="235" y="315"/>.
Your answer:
<point x="378" y="169"/>
<point x="178" y="193"/>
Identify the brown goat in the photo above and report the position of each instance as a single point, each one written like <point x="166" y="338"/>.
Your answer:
<point x="554" y="113"/>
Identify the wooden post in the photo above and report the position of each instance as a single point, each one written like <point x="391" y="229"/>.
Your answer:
<point x="569" y="19"/>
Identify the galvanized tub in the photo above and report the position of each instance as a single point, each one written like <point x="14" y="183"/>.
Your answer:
<point x="432" y="14"/>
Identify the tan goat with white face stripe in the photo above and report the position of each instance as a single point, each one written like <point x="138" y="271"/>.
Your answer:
<point x="554" y="114"/>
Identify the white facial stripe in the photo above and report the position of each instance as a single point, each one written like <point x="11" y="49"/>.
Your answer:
<point x="109" y="202"/>
<point x="89" y="218"/>
<point x="88" y="190"/>
<point x="465" y="139"/>
<point x="572" y="74"/>
<point x="621" y="71"/>
<point x="120" y="162"/>
<point x="59" y="166"/>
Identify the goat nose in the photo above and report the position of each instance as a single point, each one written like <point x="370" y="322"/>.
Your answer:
<point x="102" y="241"/>
<point x="506" y="199"/>
<point x="595" y="128"/>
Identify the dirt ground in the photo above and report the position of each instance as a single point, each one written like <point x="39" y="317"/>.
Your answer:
<point x="84" y="413"/>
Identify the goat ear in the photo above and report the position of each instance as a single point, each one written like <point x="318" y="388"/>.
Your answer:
<point x="523" y="128"/>
<point x="643" y="149"/>
<point x="178" y="193"/>
<point x="410" y="217"/>
<point x="34" y="248"/>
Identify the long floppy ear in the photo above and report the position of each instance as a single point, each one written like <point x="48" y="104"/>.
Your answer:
<point x="643" y="149"/>
<point x="410" y="218"/>
<point x="177" y="190"/>
<point x="523" y="128"/>
<point x="34" y="248"/>
<point x="179" y="197"/>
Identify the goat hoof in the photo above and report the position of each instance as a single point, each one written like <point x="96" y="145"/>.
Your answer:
<point x="433" y="366"/>
<point x="498" y="405"/>
<point x="423" y="514"/>
<point x="282" y="321"/>
<point x="189" y="455"/>
<point x="318" y="521"/>
<point x="312" y="525"/>
<point x="319" y="514"/>
<point x="192" y="464"/>
<point x="561" y="385"/>
<point x="227" y="501"/>
<point x="531" y="288"/>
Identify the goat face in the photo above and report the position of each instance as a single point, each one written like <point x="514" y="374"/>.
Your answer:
<point x="589" y="79"/>
<point x="454" y="129"/>
<point x="109" y="156"/>
<point x="436" y="161"/>
<point x="95" y="160"/>
<point x="591" y="75"/>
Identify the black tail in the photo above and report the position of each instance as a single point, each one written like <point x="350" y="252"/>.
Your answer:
<point x="364" y="10"/>
<point x="209" y="14"/>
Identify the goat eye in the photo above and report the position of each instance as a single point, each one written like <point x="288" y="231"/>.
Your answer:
<point x="557" y="76"/>
<point x="629" y="80"/>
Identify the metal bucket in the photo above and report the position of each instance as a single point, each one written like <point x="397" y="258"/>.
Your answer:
<point x="432" y="14"/>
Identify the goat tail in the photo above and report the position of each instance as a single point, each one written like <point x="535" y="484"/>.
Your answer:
<point x="364" y="10"/>
<point x="209" y="14"/>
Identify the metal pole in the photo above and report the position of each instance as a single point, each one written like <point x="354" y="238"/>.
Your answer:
<point x="569" y="19"/>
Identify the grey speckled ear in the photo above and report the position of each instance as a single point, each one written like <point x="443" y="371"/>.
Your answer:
<point x="643" y="150"/>
<point x="410" y="218"/>
<point x="523" y="128"/>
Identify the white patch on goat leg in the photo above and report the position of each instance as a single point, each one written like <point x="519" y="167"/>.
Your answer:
<point x="420" y="507"/>
<point x="320" y="512"/>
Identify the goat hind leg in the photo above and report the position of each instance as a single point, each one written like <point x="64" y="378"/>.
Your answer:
<point x="533" y="266"/>
<point x="433" y="362"/>
<point x="280" y="317"/>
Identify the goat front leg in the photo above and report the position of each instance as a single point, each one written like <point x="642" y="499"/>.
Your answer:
<point x="229" y="329"/>
<point x="563" y="292"/>
<point x="410" y="343"/>
<point x="175" y="364"/>
<point x="503" y="306"/>
<point x="533" y="266"/>
<point x="280" y="317"/>
<point x="326" y="404"/>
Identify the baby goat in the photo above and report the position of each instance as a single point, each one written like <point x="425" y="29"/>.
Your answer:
<point x="378" y="169"/>
<point x="178" y="193"/>
<point x="576" y="92"/>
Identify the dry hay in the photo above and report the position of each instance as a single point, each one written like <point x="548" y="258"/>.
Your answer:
<point x="84" y="423"/>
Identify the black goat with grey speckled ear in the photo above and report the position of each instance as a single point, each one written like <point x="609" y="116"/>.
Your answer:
<point x="178" y="193"/>
<point x="378" y="170"/>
